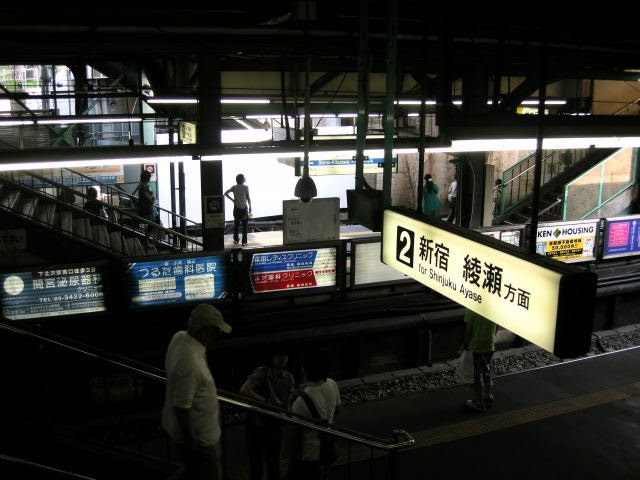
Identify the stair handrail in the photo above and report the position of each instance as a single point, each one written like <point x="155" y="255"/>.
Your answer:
<point x="125" y="194"/>
<point x="39" y="466"/>
<point x="122" y="212"/>
<point x="402" y="439"/>
<point x="507" y="183"/>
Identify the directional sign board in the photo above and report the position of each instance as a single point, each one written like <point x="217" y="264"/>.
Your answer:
<point x="546" y="302"/>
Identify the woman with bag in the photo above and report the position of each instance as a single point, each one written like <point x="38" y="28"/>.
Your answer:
<point x="320" y="399"/>
<point x="430" y="199"/>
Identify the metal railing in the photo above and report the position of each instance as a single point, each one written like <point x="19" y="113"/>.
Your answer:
<point x="400" y="438"/>
<point x="70" y="201"/>
<point x="117" y="197"/>
<point x="517" y="180"/>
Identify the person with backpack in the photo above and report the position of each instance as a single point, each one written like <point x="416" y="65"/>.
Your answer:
<point x="320" y="399"/>
<point x="272" y="384"/>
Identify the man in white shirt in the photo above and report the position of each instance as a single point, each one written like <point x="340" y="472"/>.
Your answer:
<point x="452" y="196"/>
<point x="324" y="393"/>
<point x="191" y="414"/>
<point x="241" y="207"/>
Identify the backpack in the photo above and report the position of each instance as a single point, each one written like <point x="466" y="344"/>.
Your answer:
<point x="142" y="203"/>
<point x="328" y="454"/>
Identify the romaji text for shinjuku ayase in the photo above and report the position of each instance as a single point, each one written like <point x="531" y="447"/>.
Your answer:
<point x="488" y="278"/>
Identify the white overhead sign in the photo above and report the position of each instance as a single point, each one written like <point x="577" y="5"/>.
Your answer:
<point x="519" y="294"/>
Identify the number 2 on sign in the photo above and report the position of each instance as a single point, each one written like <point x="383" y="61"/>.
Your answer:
<point x="404" y="246"/>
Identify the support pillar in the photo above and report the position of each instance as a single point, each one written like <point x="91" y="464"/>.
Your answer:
<point x="209" y="135"/>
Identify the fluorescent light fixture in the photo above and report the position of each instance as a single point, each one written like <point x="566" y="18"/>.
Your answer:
<point x="347" y="115"/>
<point x="254" y="101"/>
<point x="15" y="123"/>
<point x="504" y="144"/>
<point x="192" y="100"/>
<point x="86" y="119"/>
<point x="546" y="102"/>
<point x="176" y="101"/>
<point x="414" y="102"/>
<point x="5" y="167"/>
<point x="457" y="102"/>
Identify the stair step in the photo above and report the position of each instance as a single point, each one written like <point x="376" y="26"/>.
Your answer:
<point x="27" y="205"/>
<point x="10" y="198"/>
<point x="46" y="212"/>
<point x="65" y="217"/>
<point x="133" y="247"/>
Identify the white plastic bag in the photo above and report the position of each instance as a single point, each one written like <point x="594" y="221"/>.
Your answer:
<point x="464" y="370"/>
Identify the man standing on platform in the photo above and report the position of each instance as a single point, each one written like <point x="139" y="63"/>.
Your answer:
<point x="191" y="415"/>
<point x="241" y="208"/>
<point x="480" y="339"/>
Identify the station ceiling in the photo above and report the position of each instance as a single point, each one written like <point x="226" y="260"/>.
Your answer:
<point x="456" y="42"/>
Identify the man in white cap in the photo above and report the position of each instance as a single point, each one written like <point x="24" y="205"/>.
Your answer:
<point x="191" y="414"/>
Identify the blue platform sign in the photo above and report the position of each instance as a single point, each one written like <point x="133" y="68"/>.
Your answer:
<point x="179" y="280"/>
<point x="342" y="165"/>
<point x="52" y="292"/>
<point x="622" y="237"/>
<point x="296" y="269"/>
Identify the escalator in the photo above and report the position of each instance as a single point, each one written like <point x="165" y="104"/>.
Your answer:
<point x="52" y="207"/>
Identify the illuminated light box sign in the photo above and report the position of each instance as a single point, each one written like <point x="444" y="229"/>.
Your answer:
<point x="546" y="302"/>
<point x="293" y="270"/>
<point x="344" y="165"/>
<point x="368" y="268"/>
<point x="180" y="280"/>
<point x="568" y="241"/>
<point x="622" y="237"/>
<point x="52" y="292"/>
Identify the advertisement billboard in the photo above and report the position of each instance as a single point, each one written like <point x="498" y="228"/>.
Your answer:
<point x="293" y="270"/>
<point x="175" y="281"/>
<point x="622" y="237"/>
<point x="568" y="241"/>
<point x="53" y="291"/>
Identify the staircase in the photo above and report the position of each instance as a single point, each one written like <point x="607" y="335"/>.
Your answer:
<point x="558" y="168"/>
<point x="56" y="204"/>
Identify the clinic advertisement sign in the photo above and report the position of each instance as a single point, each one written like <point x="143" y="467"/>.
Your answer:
<point x="177" y="281"/>
<point x="293" y="270"/>
<point x="622" y="237"/>
<point x="52" y="292"/>
<point x="530" y="296"/>
<point x="567" y="241"/>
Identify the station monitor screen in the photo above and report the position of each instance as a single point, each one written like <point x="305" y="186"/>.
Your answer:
<point x="287" y="270"/>
<point x="622" y="237"/>
<point x="52" y="291"/>
<point x="177" y="280"/>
